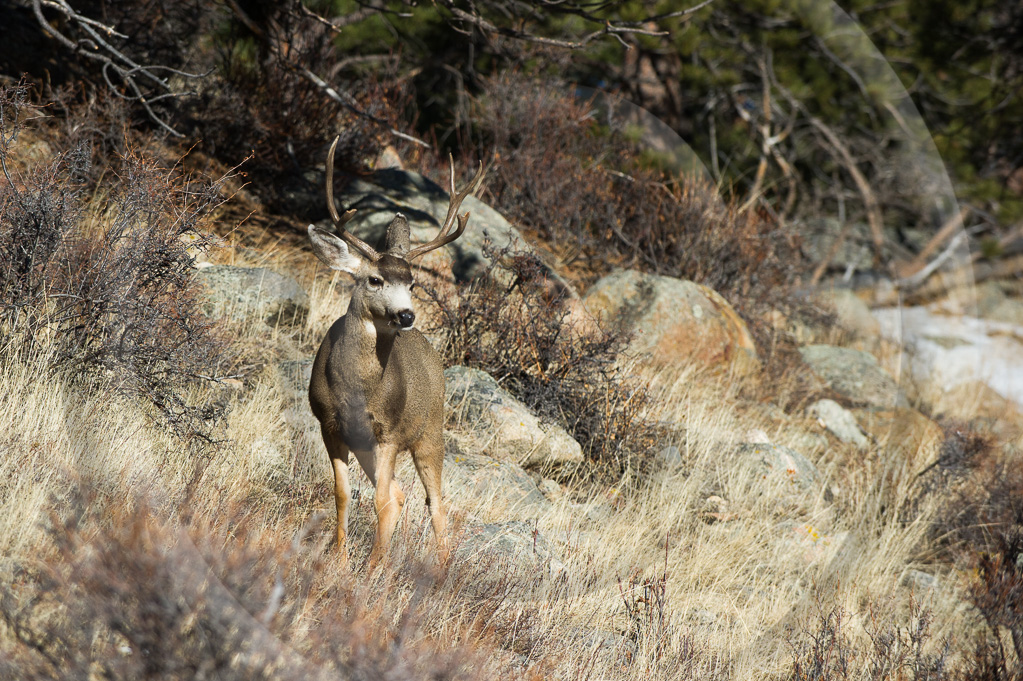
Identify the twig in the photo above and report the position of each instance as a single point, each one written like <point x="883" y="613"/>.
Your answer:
<point x="615" y="30"/>
<point x="951" y="225"/>
<point x="349" y="104"/>
<point x="870" y="202"/>
<point x="921" y="276"/>
<point x="347" y="101"/>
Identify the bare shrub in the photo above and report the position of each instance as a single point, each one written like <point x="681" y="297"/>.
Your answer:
<point x="513" y="323"/>
<point x="894" y="648"/>
<point x="262" y="102"/>
<point x="105" y="288"/>
<point x="983" y="532"/>
<point x="123" y="593"/>
<point x="821" y="653"/>
<point x="593" y="194"/>
<point x="261" y="77"/>
<point x="652" y="628"/>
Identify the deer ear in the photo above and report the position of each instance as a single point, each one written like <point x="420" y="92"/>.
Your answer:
<point x="397" y="240"/>
<point x="333" y="252"/>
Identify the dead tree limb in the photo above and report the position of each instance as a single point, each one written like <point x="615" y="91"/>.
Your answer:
<point x="142" y="83"/>
<point x="613" y="28"/>
<point x="845" y="157"/>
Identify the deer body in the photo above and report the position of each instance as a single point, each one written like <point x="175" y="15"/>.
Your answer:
<point x="377" y="384"/>
<point x="391" y="392"/>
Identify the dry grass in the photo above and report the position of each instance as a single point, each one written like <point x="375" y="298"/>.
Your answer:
<point x="651" y="585"/>
<point x="127" y="554"/>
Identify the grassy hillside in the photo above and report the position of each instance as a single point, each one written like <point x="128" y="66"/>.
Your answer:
<point x="166" y="511"/>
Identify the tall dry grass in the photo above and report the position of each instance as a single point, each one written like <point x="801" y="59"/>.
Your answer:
<point x="127" y="553"/>
<point x="651" y="584"/>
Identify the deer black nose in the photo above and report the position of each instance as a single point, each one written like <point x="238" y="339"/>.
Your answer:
<point x="406" y="318"/>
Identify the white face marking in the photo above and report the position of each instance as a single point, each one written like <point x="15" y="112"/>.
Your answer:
<point x="398" y="296"/>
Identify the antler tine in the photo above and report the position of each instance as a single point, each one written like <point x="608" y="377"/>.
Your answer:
<point x="341" y="220"/>
<point x="454" y="202"/>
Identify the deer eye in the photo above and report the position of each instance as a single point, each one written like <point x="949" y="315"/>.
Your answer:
<point x="376" y="282"/>
<point x="412" y="286"/>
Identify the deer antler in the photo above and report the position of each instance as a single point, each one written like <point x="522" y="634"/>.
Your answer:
<point x="455" y="201"/>
<point x="341" y="220"/>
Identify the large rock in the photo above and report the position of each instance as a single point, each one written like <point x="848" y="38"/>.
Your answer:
<point x="503" y="427"/>
<point x="944" y="351"/>
<point x="781" y="463"/>
<point x="245" y="292"/>
<point x="819" y="236"/>
<point x="505" y="486"/>
<point x="853" y="374"/>
<point x="675" y="321"/>
<point x="840" y="422"/>
<point x="389" y="190"/>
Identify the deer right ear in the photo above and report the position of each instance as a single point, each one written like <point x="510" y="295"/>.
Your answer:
<point x="332" y="251"/>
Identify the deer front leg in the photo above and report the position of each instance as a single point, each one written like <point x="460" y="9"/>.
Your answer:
<point x="338" y="453"/>
<point x="429" y="460"/>
<point x="389" y="501"/>
<point x="342" y="497"/>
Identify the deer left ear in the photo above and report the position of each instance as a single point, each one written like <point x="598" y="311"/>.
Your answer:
<point x="333" y="252"/>
<point x="398" y="237"/>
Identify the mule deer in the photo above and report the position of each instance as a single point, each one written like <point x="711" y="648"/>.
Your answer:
<point x="377" y="384"/>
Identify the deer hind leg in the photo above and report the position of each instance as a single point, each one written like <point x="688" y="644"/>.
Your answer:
<point x="338" y="452"/>
<point x="428" y="458"/>
<point x="389" y="501"/>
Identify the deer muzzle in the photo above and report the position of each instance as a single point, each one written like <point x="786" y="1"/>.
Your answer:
<point x="405" y="319"/>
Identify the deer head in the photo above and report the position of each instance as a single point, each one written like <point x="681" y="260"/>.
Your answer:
<point x="384" y="279"/>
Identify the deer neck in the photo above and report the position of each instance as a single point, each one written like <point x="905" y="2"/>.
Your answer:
<point x="371" y="343"/>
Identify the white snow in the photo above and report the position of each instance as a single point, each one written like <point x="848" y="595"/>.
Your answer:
<point x="951" y="350"/>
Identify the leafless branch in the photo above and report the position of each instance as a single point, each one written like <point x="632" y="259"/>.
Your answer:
<point x="337" y="23"/>
<point x="349" y="103"/>
<point x="920" y="277"/>
<point x="344" y="99"/>
<point x="845" y="157"/>
<point x="951" y="225"/>
<point x="142" y="83"/>
<point x="614" y="29"/>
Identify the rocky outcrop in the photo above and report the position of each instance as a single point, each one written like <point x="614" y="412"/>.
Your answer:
<point x="853" y="374"/>
<point x="675" y="322"/>
<point x="502" y="427"/>
<point x="253" y="292"/>
<point x="943" y="352"/>
<point x="389" y="190"/>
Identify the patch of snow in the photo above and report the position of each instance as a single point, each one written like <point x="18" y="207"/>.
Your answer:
<point x="952" y="350"/>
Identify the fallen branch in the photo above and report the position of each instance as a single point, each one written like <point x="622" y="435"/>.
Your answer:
<point x="952" y="224"/>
